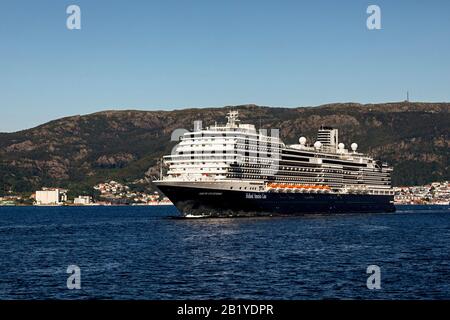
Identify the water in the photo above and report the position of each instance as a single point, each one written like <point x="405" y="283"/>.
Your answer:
<point x="139" y="253"/>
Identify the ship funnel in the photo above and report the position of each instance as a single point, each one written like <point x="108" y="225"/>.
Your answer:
<point x="328" y="136"/>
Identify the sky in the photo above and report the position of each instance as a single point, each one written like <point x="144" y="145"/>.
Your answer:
<point x="165" y="55"/>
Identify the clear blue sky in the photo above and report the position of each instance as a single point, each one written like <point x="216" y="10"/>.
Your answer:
<point x="199" y="53"/>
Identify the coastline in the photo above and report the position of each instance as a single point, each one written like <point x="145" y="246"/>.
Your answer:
<point x="170" y="204"/>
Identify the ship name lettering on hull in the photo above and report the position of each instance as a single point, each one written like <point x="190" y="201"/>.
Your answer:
<point x="255" y="196"/>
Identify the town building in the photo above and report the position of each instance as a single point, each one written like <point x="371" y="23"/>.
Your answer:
<point x="434" y="193"/>
<point x="51" y="196"/>
<point x="83" y="200"/>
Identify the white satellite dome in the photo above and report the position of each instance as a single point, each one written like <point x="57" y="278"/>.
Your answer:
<point x="317" y="144"/>
<point x="354" y="146"/>
<point x="341" y="146"/>
<point x="302" y="140"/>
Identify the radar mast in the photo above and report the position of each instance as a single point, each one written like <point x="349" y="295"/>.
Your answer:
<point x="233" y="118"/>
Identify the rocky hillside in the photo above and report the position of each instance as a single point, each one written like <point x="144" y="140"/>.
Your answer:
<point x="79" y="151"/>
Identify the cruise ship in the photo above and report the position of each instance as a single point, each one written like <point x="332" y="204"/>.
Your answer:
<point x="235" y="170"/>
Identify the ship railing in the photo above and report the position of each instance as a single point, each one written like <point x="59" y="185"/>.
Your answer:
<point x="190" y="179"/>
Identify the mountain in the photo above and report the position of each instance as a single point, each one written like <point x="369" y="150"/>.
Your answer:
<point x="80" y="151"/>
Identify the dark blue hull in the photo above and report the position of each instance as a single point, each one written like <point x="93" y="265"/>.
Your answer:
<point x="198" y="201"/>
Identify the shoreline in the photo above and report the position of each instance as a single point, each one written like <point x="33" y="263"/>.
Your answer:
<point x="87" y="205"/>
<point x="170" y="204"/>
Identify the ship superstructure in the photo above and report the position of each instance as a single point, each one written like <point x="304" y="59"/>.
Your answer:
<point x="256" y="173"/>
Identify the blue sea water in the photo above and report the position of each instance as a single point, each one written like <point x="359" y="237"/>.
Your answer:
<point x="141" y="253"/>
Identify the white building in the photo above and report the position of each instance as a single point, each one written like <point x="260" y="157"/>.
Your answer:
<point x="83" y="200"/>
<point x="50" y="196"/>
